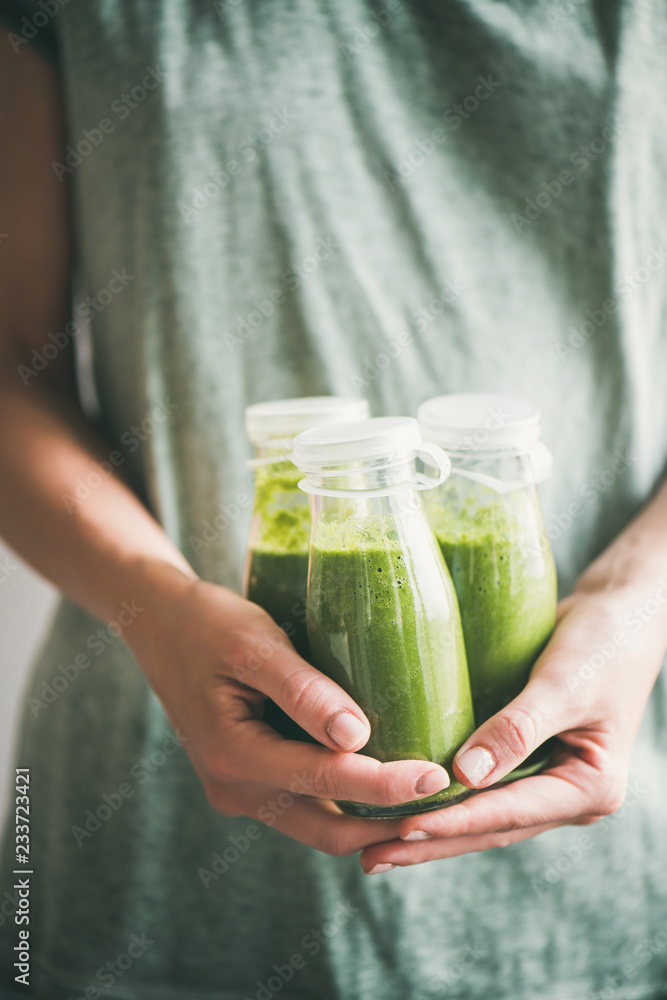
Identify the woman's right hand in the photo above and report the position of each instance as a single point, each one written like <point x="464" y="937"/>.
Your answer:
<point x="213" y="658"/>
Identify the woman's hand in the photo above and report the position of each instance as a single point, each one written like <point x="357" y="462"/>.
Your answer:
<point x="589" y="688"/>
<point x="213" y="658"/>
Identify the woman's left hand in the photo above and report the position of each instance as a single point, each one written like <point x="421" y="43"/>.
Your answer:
<point x="589" y="688"/>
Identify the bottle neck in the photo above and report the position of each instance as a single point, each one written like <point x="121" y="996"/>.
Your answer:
<point x="272" y="452"/>
<point x="396" y="511"/>
<point x="363" y="477"/>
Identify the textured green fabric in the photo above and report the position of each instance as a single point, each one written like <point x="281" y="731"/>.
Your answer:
<point x="298" y="191"/>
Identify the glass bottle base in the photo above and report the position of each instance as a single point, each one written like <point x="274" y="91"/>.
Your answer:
<point x="448" y="797"/>
<point x="454" y="793"/>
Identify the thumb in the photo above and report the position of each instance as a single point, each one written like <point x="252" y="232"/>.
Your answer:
<point x="507" y="738"/>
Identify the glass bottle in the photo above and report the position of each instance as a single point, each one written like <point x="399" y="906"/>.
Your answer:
<point x="382" y="616"/>
<point x="276" y="565"/>
<point x="489" y="524"/>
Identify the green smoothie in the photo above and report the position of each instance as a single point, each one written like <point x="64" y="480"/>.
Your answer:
<point x="396" y="647"/>
<point x="505" y="581"/>
<point x="277" y="582"/>
<point x="277" y="565"/>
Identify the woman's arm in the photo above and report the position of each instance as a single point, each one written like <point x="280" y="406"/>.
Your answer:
<point x="590" y="688"/>
<point x="46" y="445"/>
<point x="195" y="641"/>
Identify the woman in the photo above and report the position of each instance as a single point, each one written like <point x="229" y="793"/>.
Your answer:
<point x="263" y="199"/>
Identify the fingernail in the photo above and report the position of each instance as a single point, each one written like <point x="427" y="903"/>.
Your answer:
<point x="475" y="764"/>
<point x="432" y="782"/>
<point x="417" y="835"/>
<point x="378" y="869"/>
<point x="346" y="730"/>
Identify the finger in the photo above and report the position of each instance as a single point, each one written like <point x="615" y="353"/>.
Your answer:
<point x="270" y="664"/>
<point x="564" y="606"/>
<point x="555" y="797"/>
<point x="546" y="707"/>
<point x="252" y="751"/>
<point x="323" y="826"/>
<point x="313" y="822"/>
<point x="398" y="853"/>
<point x="505" y="740"/>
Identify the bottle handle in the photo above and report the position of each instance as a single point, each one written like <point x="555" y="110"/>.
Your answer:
<point x="439" y="460"/>
<point x="541" y="465"/>
<point x="278" y="444"/>
<point x="258" y="463"/>
<point x="541" y="460"/>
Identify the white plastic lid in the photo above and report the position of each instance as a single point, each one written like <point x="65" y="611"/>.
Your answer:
<point x="479" y="422"/>
<point x="283" y="418"/>
<point x="339" y="444"/>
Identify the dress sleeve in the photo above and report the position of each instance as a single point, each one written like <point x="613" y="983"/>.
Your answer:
<point x="32" y="22"/>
